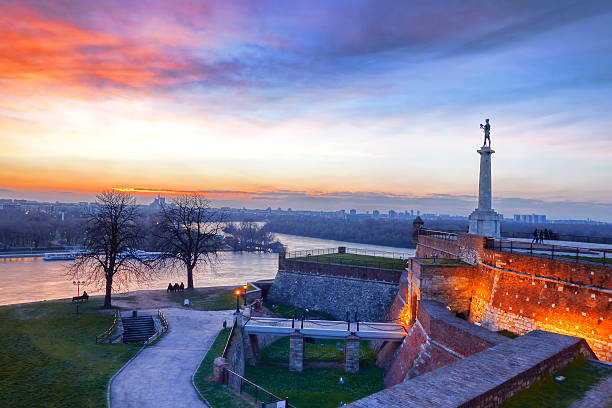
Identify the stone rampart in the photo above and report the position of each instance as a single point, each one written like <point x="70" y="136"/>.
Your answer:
<point x="333" y="294"/>
<point x="485" y="379"/>
<point x="520" y="293"/>
<point x="436" y="339"/>
<point x="342" y="270"/>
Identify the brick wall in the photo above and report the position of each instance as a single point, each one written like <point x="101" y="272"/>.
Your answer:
<point x="437" y="338"/>
<point x="450" y="284"/>
<point x="520" y="293"/>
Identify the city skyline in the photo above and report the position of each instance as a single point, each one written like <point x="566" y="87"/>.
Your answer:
<point x="326" y="106"/>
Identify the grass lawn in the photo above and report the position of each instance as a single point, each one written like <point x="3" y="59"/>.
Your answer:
<point x="48" y="355"/>
<point x="580" y="376"/>
<point x="218" y="395"/>
<point x="508" y="334"/>
<point x="358" y="260"/>
<point x="223" y="299"/>
<point x="316" y="387"/>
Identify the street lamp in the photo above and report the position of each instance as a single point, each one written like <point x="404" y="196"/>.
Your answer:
<point x="237" y="293"/>
<point x="78" y="285"/>
<point x="244" y="288"/>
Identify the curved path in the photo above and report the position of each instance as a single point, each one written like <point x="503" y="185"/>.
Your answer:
<point x="160" y="376"/>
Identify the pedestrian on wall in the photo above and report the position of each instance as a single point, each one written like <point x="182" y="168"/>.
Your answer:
<point x="541" y="237"/>
<point x="535" y="236"/>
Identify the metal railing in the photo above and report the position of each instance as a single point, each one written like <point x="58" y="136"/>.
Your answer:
<point x="353" y="251"/>
<point x="448" y="236"/>
<point x="102" y="337"/>
<point x="561" y="252"/>
<point x="561" y="237"/>
<point x="228" y="344"/>
<point x="250" y="390"/>
<point x="163" y="320"/>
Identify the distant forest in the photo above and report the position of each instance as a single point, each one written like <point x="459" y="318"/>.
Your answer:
<point x="368" y="231"/>
<point x="398" y="233"/>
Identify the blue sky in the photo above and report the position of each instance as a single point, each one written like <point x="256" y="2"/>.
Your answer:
<point x="289" y="104"/>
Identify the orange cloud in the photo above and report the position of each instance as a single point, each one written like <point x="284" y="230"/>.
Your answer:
<point x="38" y="50"/>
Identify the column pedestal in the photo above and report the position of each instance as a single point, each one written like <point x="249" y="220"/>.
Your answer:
<point x="484" y="220"/>
<point x="351" y="353"/>
<point x="296" y="351"/>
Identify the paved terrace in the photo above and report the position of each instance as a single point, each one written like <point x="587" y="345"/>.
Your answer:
<point x="325" y="329"/>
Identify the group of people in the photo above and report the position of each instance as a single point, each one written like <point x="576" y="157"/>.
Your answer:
<point x="541" y="235"/>
<point x="176" y="287"/>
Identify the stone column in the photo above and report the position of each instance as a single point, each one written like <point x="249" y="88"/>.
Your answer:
<point x="218" y="367"/>
<point x="484" y="183"/>
<point x="296" y="351"/>
<point x="351" y="353"/>
<point x="484" y="220"/>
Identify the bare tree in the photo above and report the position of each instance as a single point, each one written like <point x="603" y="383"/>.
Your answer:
<point x="112" y="236"/>
<point x="188" y="231"/>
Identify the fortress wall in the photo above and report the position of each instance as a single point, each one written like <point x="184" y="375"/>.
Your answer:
<point x="334" y="294"/>
<point x="450" y="284"/>
<point x="518" y="303"/>
<point x="347" y="271"/>
<point x="520" y="293"/>
<point x="436" y="339"/>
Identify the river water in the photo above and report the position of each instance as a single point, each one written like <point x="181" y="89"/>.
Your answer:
<point x="33" y="279"/>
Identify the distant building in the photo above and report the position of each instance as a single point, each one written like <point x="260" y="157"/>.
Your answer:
<point x="530" y="218"/>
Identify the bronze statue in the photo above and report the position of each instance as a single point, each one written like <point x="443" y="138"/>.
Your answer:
<point x="487" y="132"/>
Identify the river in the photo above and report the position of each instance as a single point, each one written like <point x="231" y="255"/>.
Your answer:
<point x="33" y="279"/>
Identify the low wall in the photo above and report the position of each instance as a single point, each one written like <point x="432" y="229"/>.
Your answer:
<point x="436" y="339"/>
<point x="333" y="294"/>
<point x="346" y="271"/>
<point x="485" y="379"/>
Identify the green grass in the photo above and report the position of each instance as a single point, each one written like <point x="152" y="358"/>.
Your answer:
<point x="48" y="355"/>
<point x="443" y="261"/>
<point x="581" y="375"/>
<point x="508" y="334"/>
<point x="325" y="350"/>
<point x="287" y="311"/>
<point x="223" y="299"/>
<point x="218" y="395"/>
<point x="316" y="387"/>
<point x="357" y="260"/>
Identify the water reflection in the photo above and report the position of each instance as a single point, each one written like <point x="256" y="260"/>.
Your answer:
<point x="33" y="279"/>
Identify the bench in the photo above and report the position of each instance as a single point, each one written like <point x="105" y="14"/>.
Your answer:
<point x="80" y="299"/>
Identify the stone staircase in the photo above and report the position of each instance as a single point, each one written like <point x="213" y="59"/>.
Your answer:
<point x="137" y="329"/>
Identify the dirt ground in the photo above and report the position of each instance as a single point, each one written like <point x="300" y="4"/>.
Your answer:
<point x="152" y="299"/>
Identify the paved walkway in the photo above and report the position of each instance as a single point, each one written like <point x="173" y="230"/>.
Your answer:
<point x="160" y="376"/>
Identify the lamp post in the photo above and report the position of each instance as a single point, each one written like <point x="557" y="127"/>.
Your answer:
<point x="237" y="293"/>
<point x="78" y="285"/>
<point x="244" y="291"/>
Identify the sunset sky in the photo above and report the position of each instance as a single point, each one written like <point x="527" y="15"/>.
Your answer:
<point x="310" y="104"/>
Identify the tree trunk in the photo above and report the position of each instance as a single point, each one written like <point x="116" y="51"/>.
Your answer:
<point x="107" y="295"/>
<point x="189" y="277"/>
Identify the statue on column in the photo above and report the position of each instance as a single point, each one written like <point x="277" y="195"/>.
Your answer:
<point x="487" y="132"/>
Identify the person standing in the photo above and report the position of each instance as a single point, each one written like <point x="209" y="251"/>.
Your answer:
<point x="541" y="236"/>
<point x="535" y="236"/>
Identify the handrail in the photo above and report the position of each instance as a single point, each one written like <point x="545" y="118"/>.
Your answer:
<point x="354" y="251"/>
<point x="229" y="341"/>
<point x="449" y="236"/>
<point x="562" y="252"/>
<point x="101" y="337"/>
<point x="227" y="372"/>
<point x="163" y="319"/>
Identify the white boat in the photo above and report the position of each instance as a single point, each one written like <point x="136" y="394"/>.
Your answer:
<point x="58" y="256"/>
